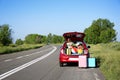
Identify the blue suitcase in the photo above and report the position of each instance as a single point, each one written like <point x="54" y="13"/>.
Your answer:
<point x="91" y="62"/>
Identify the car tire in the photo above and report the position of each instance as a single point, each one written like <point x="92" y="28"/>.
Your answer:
<point x="61" y="64"/>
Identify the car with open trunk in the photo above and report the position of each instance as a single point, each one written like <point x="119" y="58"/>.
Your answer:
<point x="70" y="50"/>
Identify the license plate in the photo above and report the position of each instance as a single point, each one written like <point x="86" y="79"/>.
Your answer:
<point x="73" y="59"/>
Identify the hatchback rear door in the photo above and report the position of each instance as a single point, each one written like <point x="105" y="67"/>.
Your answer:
<point x="74" y="36"/>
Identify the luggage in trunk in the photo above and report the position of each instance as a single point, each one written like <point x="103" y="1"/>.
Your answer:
<point x="68" y="51"/>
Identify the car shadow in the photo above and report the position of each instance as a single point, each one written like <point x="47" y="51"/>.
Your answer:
<point x="71" y="65"/>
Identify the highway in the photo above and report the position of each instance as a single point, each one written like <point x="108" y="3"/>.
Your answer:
<point x="42" y="64"/>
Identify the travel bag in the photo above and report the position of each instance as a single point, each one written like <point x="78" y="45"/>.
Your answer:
<point x="91" y="62"/>
<point x="68" y="51"/>
<point x="82" y="61"/>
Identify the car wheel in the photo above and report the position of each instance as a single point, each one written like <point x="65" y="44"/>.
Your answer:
<point x="61" y="64"/>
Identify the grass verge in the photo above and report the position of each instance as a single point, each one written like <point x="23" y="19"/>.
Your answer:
<point x="11" y="49"/>
<point x="109" y="58"/>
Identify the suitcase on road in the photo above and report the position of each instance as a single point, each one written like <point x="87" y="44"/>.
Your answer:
<point x="91" y="62"/>
<point x="82" y="61"/>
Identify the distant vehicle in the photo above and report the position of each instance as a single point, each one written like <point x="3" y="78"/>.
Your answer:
<point x="66" y="51"/>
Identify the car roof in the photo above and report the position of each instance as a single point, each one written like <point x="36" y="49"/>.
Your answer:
<point x="74" y="36"/>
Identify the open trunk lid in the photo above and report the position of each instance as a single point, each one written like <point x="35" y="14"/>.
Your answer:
<point x="74" y="36"/>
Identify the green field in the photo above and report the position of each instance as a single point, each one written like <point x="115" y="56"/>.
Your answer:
<point x="16" y="48"/>
<point x="108" y="58"/>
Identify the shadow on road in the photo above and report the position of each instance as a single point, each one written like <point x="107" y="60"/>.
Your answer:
<point x="71" y="65"/>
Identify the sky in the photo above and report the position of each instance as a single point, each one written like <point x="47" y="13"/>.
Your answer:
<point x="56" y="16"/>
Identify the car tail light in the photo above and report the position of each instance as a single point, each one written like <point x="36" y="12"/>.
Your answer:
<point x="63" y="55"/>
<point x="62" y="51"/>
<point x="85" y="51"/>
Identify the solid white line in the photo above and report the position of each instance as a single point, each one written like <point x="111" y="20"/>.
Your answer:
<point x="6" y="74"/>
<point x="8" y="60"/>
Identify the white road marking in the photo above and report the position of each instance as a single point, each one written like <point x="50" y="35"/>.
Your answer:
<point x="19" y="57"/>
<point x="36" y="53"/>
<point x="96" y="76"/>
<point x="26" y="55"/>
<point x="6" y="74"/>
<point x="8" y="60"/>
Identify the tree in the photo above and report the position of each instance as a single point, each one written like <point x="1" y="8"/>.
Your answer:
<point x="19" y="42"/>
<point x="43" y="39"/>
<point x="100" y="31"/>
<point x="57" y="39"/>
<point x="5" y="35"/>
<point x="49" y="38"/>
<point x="33" y="39"/>
<point x="54" y="38"/>
<point x="36" y="38"/>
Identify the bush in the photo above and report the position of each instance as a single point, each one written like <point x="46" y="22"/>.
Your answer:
<point x="1" y="45"/>
<point x="33" y="39"/>
<point x="12" y="45"/>
<point x="17" y="48"/>
<point x="19" y="42"/>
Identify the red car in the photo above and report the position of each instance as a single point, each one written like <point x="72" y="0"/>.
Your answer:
<point x="67" y="52"/>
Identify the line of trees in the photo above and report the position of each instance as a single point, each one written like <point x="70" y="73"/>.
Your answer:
<point x="6" y="37"/>
<point x="39" y="39"/>
<point x="100" y="31"/>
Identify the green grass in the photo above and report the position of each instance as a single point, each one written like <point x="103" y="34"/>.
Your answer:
<point x="14" y="48"/>
<point x="109" y="58"/>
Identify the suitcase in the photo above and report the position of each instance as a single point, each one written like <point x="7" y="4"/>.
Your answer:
<point x="82" y="62"/>
<point x="68" y="51"/>
<point x="91" y="62"/>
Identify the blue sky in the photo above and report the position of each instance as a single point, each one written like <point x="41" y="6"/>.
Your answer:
<point x="56" y="16"/>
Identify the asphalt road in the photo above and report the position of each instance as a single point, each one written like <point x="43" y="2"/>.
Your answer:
<point x="42" y="64"/>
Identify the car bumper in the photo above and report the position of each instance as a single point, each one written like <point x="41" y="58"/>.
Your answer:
<point x="69" y="60"/>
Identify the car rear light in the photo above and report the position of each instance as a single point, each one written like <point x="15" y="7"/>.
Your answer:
<point x="62" y="51"/>
<point x="63" y="55"/>
<point x="85" y="51"/>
